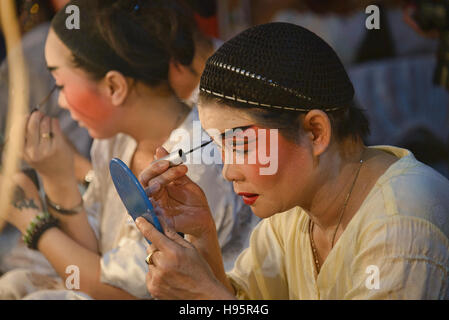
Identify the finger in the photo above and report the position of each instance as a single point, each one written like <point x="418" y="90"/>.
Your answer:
<point x="172" y="234"/>
<point x="154" y="260"/>
<point x="149" y="276"/>
<point x="152" y="189"/>
<point x="146" y="174"/>
<point x="153" y="170"/>
<point x="160" y="213"/>
<point x="160" y="153"/>
<point x="45" y="129"/>
<point x="159" y="240"/>
<point x="184" y="222"/>
<point x="151" y="248"/>
<point x="171" y="175"/>
<point x="183" y="180"/>
<point x="33" y="127"/>
<point x="56" y="127"/>
<point x="151" y="281"/>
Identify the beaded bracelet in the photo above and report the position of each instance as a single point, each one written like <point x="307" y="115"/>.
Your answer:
<point x="41" y="223"/>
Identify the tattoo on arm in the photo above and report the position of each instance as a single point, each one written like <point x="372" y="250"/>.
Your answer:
<point x="20" y="202"/>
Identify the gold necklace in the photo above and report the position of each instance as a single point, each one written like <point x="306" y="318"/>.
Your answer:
<point x="311" y="224"/>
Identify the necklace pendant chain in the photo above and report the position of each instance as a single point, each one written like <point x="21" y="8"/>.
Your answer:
<point x="311" y="224"/>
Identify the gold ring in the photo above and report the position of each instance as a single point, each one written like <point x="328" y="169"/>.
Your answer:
<point x="148" y="259"/>
<point x="46" y="135"/>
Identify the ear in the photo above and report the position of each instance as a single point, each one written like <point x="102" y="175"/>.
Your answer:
<point x="117" y="87"/>
<point x="318" y="130"/>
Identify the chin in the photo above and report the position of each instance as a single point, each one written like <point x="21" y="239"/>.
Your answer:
<point x="263" y="212"/>
<point x="266" y="210"/>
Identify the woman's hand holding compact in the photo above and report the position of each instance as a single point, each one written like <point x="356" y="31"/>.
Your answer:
<point x="176" y="269"/>
<point x="181" y="206"/>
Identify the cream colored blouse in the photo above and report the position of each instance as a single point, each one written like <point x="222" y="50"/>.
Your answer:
<point x="395" y="247"/>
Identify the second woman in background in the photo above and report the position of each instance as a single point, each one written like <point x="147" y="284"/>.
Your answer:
<point x="123" y="76"/>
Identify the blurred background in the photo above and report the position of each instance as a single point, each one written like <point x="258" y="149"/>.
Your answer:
<point x="398" y="71"/>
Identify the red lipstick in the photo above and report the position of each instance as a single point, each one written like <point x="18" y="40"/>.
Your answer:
<point x="248" y="198"/>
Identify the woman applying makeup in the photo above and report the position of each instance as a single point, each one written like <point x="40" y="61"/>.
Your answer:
<point x="340" y="220"/>
<point x="121" y="77"/>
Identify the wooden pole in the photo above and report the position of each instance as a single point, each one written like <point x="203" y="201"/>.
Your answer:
<point x="18" y="104"/>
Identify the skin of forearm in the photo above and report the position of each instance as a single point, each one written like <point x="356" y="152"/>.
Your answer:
<point x="78" y="229"/>
<point x="75" y="226"/>
<point x="61" y="251"/>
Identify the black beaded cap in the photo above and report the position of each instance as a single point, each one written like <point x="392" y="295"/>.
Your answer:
<point x="278" y="65"/>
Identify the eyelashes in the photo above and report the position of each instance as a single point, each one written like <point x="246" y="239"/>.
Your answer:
<point x="241" y="147"/>
<point x="239" y="150"/>
<point x="59" y="88"/>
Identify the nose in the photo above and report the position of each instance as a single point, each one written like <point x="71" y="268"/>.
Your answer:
<point x="231" y="172"/>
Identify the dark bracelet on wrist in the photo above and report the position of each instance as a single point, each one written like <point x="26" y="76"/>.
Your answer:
<point x="63" y="211"/>
<point x="37" y="228"/>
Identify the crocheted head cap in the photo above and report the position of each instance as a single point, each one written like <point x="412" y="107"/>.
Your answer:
<point x="278" y="65"/>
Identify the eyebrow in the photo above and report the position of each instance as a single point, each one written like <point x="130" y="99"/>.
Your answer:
<point x="243" y="128"/>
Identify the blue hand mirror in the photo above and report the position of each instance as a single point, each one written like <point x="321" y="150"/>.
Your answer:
<point x="132" y="193"/>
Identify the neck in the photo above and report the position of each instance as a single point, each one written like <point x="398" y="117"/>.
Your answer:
<point x="155" y="114"/>
<point x="333" y="182"/>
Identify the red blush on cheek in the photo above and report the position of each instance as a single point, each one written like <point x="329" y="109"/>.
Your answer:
<point x="87" y="104"/>
<point x="286" y="162"/>
<point x="282" y="154"/>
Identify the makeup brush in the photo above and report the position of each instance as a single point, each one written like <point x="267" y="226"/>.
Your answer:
<point x="178" y="157"/>
<point x="44" y="101"/>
